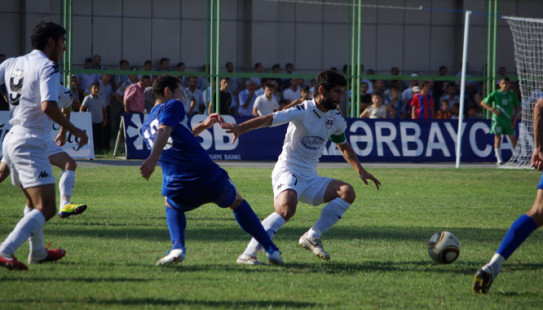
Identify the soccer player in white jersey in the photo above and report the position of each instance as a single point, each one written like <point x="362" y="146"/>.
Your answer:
<point x="295" y="177"/>
<point x="32" y="83"/>
<point x="525" y="224"/>
<point x="59" y="158"/>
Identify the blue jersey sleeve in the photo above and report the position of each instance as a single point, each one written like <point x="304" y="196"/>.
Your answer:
<point x="173" y="113"/>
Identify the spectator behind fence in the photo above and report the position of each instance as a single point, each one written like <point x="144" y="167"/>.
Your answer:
<point x="396" y="108"/>
<point x="258" y="70"/>
<point x="377" y="109"/>
<point x="225" y="99"/>
<point x="121" y="79"/>
<point x="422" y="105"/>
<point x="76" y="94"/>
<point x="445" y="111"/>
<point x="87" y="79"/>
<point x="97" y="107"/>
<point x="134" y="97"/>
<point x="293" y="91"/>
<point x="247" y="99"/>
<point x="192" y="97"/>
<point x="97" y="62"/>
<point x="266" y="103"/>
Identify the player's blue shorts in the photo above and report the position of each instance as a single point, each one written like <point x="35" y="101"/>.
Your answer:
<point x="540" y="185"/>
<point x="218" y="189"/>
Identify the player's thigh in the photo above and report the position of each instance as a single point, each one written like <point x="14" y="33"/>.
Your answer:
<point x="315" y="189"/>
<point x="287" y="187"/>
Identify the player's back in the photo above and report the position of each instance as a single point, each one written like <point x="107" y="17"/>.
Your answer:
<point x="30" y="80"/>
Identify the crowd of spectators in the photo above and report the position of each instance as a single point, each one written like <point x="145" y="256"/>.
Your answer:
<point x="405" y="98"/>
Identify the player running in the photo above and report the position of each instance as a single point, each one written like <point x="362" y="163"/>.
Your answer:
<point x="524" y="225"/>
<point x="190" y="177"/>
<point x="59" y="158"/>
<point x="295" y="177"/>
<point x="32" y="83"/>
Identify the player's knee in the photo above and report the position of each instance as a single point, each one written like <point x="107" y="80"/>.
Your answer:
<point x="286" y="211"/>
<point x="347" y="193"/>
<point x="49" y="212"/>
<point x="70" y="164"/>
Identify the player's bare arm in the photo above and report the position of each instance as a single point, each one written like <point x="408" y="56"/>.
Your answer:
<point x="537" y="155"/>
<point x="51" y="109"/>
<point x="489" y="108"/>
<point x="211" y="120"/>
<point x="148" y="166"/>
<point x="254" y="123"/>
<point x="350" y="156"/>
<point x="60" y="140"/>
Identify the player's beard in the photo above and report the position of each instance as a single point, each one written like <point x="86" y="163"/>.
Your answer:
<point x="329" y="103"/>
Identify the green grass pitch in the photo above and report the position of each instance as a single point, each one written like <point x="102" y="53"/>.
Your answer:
<point x="379" y="248"/>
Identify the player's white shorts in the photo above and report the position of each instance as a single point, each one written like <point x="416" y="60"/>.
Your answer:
<point x="310" y="190"/>
<point x="26" y="156"/>
<point x="53" y="148"/>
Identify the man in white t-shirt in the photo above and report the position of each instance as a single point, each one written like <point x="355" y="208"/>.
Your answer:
<point x="32" y="83"/>
<point x="266" y="103"/>
<point x="295" y="177"/>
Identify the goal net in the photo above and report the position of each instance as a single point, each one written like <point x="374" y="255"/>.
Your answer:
<point x="528" y="47"/>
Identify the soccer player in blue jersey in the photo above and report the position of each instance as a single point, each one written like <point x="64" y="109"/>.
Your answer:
<point x="190" y="177"/>
<point x="524" y="225"/>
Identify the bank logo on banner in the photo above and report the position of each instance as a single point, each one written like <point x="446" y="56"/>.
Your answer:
<point x="81" y="119"/>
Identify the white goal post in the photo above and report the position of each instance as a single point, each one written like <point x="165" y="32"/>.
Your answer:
<point x="528" y="48"/>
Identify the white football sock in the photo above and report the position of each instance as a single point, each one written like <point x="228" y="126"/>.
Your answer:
<point x="330" y="214"/>
<point x="66" y="186"/>
<point x="28" y="225"/>
<point x="495" y="264"/>
<point x="498" y="153"/>
<point x="271" y="224"/>
<point x="37" y="248"/>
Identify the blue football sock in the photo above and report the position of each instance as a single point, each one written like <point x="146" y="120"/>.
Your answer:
<point x="250" y="223"/>
<point x="519" y="231"/>
<point x="176" y="225"/>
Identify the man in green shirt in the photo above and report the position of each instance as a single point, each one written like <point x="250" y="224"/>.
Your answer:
<point x="504" y="105"/>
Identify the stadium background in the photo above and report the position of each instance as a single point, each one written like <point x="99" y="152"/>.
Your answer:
<point x="313" y="36"/>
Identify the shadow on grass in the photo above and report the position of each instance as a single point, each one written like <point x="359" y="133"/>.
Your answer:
<point x="195" y="233"/>
<point x="245" y="304"/>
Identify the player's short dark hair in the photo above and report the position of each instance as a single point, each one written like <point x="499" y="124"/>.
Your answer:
<point x="163" y="81"/>
<point x="43" y="31"/>
<point x="95" y="84"/>
<point x="329" y="79"/>
<point x="269" y="85"/>
<point x="505" y="79"/>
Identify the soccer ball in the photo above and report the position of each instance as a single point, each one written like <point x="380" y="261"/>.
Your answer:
<point x="444" y="247"/>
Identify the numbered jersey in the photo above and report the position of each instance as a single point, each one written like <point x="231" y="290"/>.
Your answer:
<point x="183" y="159"/>
<point x="308" y="132"/>
<point x="30" y="80"/>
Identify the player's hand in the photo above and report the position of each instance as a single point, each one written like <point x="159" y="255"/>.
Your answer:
<point x="147" y="168"/>
<point x="497" y="112"/>
<point x="233" y="129"/>
<point x="82" y="135"/>
<point x="212" y="119"/>
<point x="364" y="175"/>
<point x="60" y="140"/>
<point x="4" y="171"/>
<point x="537" y="159"/>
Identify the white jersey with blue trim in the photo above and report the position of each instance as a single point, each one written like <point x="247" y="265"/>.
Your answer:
<point x="30" y="80"/>
<point x="308" y="132"/>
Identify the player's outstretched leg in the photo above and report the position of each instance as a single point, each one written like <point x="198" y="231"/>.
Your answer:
<point x="518" y="232"/>
<point x="66" y="185"/>
<point x="29" y="224"/>
<point x="271" y="224"/>
<point x="250" y="223"/>
<point x="177" y="223"/>
<point x="330" y="215"/>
